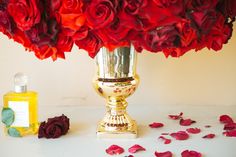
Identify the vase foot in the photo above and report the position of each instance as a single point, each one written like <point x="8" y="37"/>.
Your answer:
<point x="129" y="132"/>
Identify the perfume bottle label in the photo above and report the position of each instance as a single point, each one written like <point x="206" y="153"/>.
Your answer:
<point x="21" y="112"/>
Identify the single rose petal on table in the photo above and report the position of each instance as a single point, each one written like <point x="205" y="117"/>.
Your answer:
<point x="209" y="136"/>
<point x="180" y="135"/>
<point x="163" y="154"/>
<point x="226" y="119"/>
<point x="186" y="122"/>
<point x="231" y="133"/>
<point x="176" y="117"/>
<point x="156" y="125"/>
<point x="129" y="156"/>
<point x="164" y="133"/>
<point x="114" y="150"/>
<point x="190" y="153"/>
<point x="193" y="130"/>
<point x="166" y="140"/>
<point x="135" y="148"/>
<point x="230" y="126"/>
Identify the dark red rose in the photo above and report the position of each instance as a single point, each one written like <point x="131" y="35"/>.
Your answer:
<point x="133" y="6"/>
<point x="25" y="13"/>
<point x="201" y="5"/>
<point x="6" y="25"/>
<point x="91" y="43"/>
<point x="54" y="127"/>
<point x="157" y="40"/>
<point x="175" y="6"/>
<point x="100" y="13"/>
<point x="227" y="7"/>
<point x="220" y="34"/>
<point x="204" y="20"/>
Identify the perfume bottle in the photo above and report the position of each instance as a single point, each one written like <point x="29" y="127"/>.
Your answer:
<point x="20" y="109"/>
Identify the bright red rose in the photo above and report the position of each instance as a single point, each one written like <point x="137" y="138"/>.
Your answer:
<point x="227" y="7"/>
<point x="71" y="14"/>
<point x="201" y="5"/>
<point x="204" y="20"/>
<point x="25" y="13"/>
<point x="100" y="13"/>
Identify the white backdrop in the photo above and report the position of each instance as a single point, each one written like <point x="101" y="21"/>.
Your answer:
<point x="202" y="78"/>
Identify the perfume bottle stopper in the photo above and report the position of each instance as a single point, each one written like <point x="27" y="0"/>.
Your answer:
<point x="20" y="83"/>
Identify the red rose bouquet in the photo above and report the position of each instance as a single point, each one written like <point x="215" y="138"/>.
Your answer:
<point x="51" y="27"/>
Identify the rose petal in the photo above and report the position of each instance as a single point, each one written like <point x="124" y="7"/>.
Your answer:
<point x="156" y="125"/>
<point x="230" y="126"/>
<point x="193" y="130"/>
<point x="163" y="154"/>
<point x="135" y="148"/>
<point x="114" y="150"/>
<point x="186" y="122"/>
<point x="190" y="153"/>
<point x="231" y="133"/>
<point x="180" y="135"/>
<point x="129" y="156"/>
<point x="226" y="119"/>
<point x="166" y="140"/>
<point x="209" y="136"/>
<point x="176" y="117"/>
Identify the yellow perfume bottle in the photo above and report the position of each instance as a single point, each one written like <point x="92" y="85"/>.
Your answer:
<point x="20" y="109"/>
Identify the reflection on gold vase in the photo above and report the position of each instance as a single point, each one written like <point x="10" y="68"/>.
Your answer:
<point x="115" y="80"/>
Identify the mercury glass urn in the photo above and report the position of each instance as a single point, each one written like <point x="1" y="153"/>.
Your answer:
<point x="115" y="80"/>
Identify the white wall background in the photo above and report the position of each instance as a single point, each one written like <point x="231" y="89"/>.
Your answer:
<point x="203" y="78"/>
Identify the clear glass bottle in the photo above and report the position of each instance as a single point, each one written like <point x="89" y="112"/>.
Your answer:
<point x="24" y="105"/>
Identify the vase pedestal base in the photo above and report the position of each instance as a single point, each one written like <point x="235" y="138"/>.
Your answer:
<point x="129" y="132"/>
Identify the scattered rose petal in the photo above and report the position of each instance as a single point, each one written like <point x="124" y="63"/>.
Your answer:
<point x="231" y="133"/>
<point x="190" y="153"/>
<point x="156" y="125"/>
<point x="166" y="140"/>
<point x="129" y="156"/>
<point x="226" y="119"/>
<point x="230" y="126"/>
<point x="186" y="122"/>
<point x="193" y="130"/>
<point x="176" y="117"/>
<point x="163" y="154"/>
<point x="209" y="136"/>
<point x="135" y="148"/>
<point x="207" y="126"/>
<point x="164" y="133"/>
<point x="114" y="150"/>
<point x="180" y="135"/>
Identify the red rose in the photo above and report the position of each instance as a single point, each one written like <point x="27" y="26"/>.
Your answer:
<point x="157" y="40"/>
<point x="71" y="15"/>
<point x="187" y="33"/>
<point x="201" y="5"/>
<point x="25" y="13"/>
<point x="219" y="34"/>
<point x="100" y="13"/>
<point x="227" y="7"/>
<point x="204" y="20"/>
<point x="175" y="6"/>
<point x="91" y="43"/>
<point x="54" y="127"/>
<point x="5" y="23"/>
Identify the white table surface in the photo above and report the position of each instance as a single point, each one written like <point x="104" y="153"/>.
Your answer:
<point x="81" y="140"/>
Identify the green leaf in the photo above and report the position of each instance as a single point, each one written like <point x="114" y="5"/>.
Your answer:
<point x="7" y="116"/>
<point x="13" y="132"/>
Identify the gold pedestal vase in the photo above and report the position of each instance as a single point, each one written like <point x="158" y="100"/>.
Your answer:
<point x="115" y="80"/>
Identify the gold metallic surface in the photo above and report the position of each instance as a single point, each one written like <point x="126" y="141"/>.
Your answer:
<point x="116" y="79"/>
